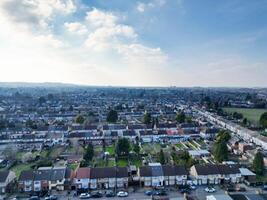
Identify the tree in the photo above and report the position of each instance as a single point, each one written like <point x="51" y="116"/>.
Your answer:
<point x="161" y="157"/>
<point x="258" y="164"/>
<point x="245" y="121"/>
<point x="220" y="151"/>
<point x="10" y="153"/>
<point x="123" y="147"/>
<point x="41" y="100"/>
<point x="263" y="120"/>
<point x="89" y="153"/>
<point x="112" y="116"/>
<point x="180" y="117"/>
<point x="79" y="119"/>
<point x="183" y="159"/>
<point x="147" y="118"/>
<point x="27" y="157"/>
<point x="237" y="115"/>
<point x="223" y="136"/>
<point x="136" y="148"/>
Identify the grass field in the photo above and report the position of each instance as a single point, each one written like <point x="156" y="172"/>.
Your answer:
<point x="253" y="115"/>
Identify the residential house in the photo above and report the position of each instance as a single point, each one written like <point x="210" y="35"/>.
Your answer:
<point x="82" y="178"/>
<point x="26" y="181"/>
<point x="108" y="177"/>
<point x="215" y="174"/>
<point x="6" y="180"/>
<point x="156" y="174"/>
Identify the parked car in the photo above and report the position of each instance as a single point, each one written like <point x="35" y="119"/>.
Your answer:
<point x="192" y="187"/>
<point x="148" y="192"/>
<point x="185" y="190"/>
<point x="96" y="194"/>
<point x="34" y="198"/>
<point x="84" y="196"/>
<point x="210" y="189"/>
<point x="161" y="193"/>
<point x="110" y="194"/>
<point x="52" y="197"/>
<point x="240" y="189"/>
<point x="122" y="194"/>
<point x="265" y="187"/>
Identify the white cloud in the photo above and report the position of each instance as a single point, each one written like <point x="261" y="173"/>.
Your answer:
<point x="142" y="7"/>
<point x="76" y="27"/>
<point x="105" y="31"/>
<point x="35" y="13"/>
<point x="97" y="18"/>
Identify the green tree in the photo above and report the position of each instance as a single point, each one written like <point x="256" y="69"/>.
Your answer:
<point x="136" y="149"/>
<point x="89" y="153"/>
<point x="123" y="147"/>
<point x="220" y="151"/>
<point x="258" y="164"/>
<point x="245" y="121"/>
<point x="180" y="117"/>
<point x="263" y="120"/>
<point x="183" y="158"/>
<point x="223" y="136"/>
<point x="161" y="157"/>
<point x="79" y="119"/>
<point x="112" y="116"/>
<point x="147" y="118"/>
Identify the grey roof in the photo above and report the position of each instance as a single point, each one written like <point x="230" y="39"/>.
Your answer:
<point x="26" y="175"/>
<point x="42" y="175"/>
<point x="57" y="174"/>
<point x="3" y="176"/>
<point x="156" y="170"/>
<point x="164" y="170"/>
<point x="109" y="172"/>
<point x="170" y="170"/>
<point x="217" y="169"/>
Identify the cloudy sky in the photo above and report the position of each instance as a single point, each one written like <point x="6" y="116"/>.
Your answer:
<point x="134" y="42"/>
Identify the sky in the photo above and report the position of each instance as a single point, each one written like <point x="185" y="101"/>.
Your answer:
<point x="134" y="42"/>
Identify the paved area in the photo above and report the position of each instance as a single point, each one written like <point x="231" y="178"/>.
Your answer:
<point x="198" y="194"/>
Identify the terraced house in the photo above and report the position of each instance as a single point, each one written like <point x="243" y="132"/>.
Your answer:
<point x="215" y="174"/>
<point x="156" y="175"/>
<point x="101" y="178"/>
<point x="44" y="179"/>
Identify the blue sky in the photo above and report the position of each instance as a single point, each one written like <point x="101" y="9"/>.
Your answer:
<point x="135" y="42"/>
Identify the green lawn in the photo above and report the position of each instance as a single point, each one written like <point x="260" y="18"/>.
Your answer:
<point x="122" y="163"/>
<point x="111" y="163"/>
<point x="179" y="145"/>
<point x="111" y="150"/>
<point x="73" y="166"/>
<point x="19" y="168"/>
<point x="253" y="115"/>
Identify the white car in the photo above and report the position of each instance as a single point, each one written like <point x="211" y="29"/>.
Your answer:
<point x="210" y="189"/>
<point x="122" y="194"/>
<point x="84" y="196"/>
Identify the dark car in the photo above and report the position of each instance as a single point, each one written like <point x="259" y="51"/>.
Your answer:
<point x="185" y="190"/>
<point x="161" y="193"/>
<point x="34" y="198"/>
<point x="149" y="192"/>
<point x="110" y="194"/>
<point x="96" y="195"/>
